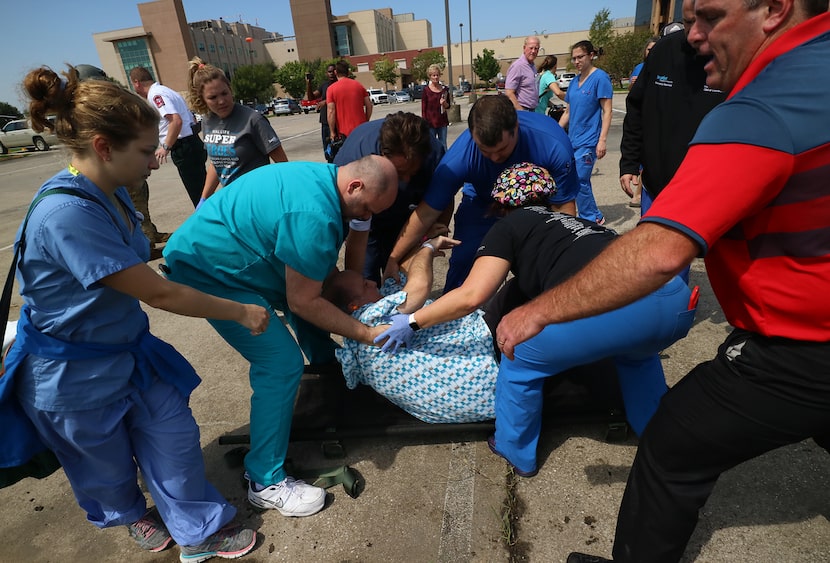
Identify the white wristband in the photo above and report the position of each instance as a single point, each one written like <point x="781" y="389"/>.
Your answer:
<point x="428" y="245"/>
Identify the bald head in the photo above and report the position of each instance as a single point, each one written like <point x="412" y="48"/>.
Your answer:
<point x="367" y="186"/>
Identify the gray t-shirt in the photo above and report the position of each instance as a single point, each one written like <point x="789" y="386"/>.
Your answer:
<point x="239" y="143"/>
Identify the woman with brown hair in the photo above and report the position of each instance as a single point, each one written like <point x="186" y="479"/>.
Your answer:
<point x="101" y="392"/>
<point x="238" y="139"/>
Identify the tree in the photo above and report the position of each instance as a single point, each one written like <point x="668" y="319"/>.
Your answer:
<point x="385" y="71"/>
<point x="422" y="62"/>
<point x="485" y="66"/>
<point x="291" y="76"/>
<point x="623" y="53"/>
<point x="254" y="82"/>
<point x="602" y="29"/>
<point x="10" y="110"/>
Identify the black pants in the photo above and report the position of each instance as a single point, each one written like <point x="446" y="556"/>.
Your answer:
<point x="758" y="394"/>
<point x="189" y="156"/>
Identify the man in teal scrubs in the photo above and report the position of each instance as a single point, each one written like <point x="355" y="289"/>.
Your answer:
<point x="271" y="239"/>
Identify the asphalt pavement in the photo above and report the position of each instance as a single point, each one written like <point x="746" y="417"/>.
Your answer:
<point x="437" y="498"/>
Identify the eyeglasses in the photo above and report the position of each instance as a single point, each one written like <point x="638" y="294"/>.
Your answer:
<point x="579" y="57"/>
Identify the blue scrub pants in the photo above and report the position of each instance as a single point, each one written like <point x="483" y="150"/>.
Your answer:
<point x="151" y="430"/>
<point x="586" y="205"/>
<point x="631" y="336"/>
<point x="471" y="224"/>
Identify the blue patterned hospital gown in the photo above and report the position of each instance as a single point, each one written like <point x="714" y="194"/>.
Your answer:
<point x="448" y="375"/>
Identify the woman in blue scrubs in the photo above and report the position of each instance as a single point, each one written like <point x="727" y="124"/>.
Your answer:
<point x="105" y="395"/>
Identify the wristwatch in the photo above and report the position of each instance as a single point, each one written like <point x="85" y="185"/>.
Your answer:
<point x="165" y="147"/>
<point x="413" y="324"/>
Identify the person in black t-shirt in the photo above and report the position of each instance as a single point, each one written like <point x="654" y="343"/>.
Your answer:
<point x="542" y="248"/>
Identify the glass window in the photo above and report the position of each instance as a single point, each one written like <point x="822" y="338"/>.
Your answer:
<point x="201" y="46"/>
<point x="134" y="52"/>
<point x="212" y="48"/>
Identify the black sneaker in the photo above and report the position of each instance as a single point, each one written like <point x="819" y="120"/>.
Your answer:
<point x="230" y="542"/>
<point x="491" y="443"/>
<point x="149" y="532"/>
<point x="583" y="558"/>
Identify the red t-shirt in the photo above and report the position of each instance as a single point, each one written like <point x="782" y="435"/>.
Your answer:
<point x="348" y="96"/>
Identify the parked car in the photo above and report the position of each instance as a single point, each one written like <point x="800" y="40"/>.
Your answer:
<point x="286" y="106"/>
<point x="310" y="105"/>
<point x="457" y="92"/>
<point x="415" y="91"/>
<point x="378" y="96"/>
<point x="19" y="134"/>
<point x="399" y="96"/>
<point x="262" y="109"/>
<point x="564" y="79"/>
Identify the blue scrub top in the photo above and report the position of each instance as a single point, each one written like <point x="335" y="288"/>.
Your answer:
<point x="71" y="244"/>
<point x="541" y="141"/>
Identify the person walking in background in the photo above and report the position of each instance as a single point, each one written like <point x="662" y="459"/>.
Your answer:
<point x="320" y="95"/>
<point x="435" y="100"/>
<point x="547" y="84"/>
<point x="281" y="227"/>
<point x="520" y="85"/>
<point x="587" y="120"/>
<point x="639" y="66"/>
<point x="105" y="395"/>
<point x="238" y="139"/>
<point x="347" y="103"/>
<point x="176" y="136"/>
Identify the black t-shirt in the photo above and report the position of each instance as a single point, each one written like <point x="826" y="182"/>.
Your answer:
<point x="324" y="118"/>
<point x="544" y="247"/>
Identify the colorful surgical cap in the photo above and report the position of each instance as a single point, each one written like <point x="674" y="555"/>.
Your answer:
<point x="521" y="183"/>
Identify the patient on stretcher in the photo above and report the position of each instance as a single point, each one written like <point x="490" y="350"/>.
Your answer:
<point x="448" y="372"/>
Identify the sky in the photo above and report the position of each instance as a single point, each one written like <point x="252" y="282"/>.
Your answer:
<point x="54" y="32"/>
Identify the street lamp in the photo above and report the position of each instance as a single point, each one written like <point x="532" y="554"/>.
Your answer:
<point x="461" y="49"/>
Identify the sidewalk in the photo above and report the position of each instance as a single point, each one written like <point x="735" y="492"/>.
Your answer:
<point x="447" y="501"/>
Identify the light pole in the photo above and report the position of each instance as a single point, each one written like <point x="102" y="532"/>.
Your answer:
<point x="470" y="33"/>
<point x="461" y="50"/>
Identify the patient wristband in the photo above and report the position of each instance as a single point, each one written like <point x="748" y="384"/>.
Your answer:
<point x="427" y="244"/>
<point x="413" y="324"/>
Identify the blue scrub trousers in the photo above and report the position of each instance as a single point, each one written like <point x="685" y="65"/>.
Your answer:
<point x="152" y="430"/>
<point x="631" y="336"/>
<point x="472" y="221"/>
<point x="586" y="205"/>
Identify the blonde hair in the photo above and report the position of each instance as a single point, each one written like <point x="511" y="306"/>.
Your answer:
<point x="83" y="109"/>
<point x="200" y="74"/>
<point x="434" y="68"/>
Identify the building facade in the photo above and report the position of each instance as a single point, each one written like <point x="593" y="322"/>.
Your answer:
<point x="165" y="41"/>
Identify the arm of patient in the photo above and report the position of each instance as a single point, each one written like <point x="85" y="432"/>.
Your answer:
<point x="419" y="272"/>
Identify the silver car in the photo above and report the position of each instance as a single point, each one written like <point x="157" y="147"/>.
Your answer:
<point x="399" y="96"/>
<point x="19" y="134"/>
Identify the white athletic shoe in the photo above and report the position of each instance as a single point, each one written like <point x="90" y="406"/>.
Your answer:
<point x="290" y="497"/>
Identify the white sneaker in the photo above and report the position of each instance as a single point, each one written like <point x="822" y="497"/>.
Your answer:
<point x="290" y="497"/>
